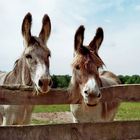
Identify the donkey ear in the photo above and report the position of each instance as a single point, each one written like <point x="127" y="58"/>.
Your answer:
<point x="26" y="28"/>
<point x="46" y="28"/>
<point x="79" y="37"/>
<point x="97" y="40"/>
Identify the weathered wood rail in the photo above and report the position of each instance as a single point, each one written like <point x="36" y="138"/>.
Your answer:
<point x="85" y="131"/>
<point x="122" y="130"/>
<point x="26" y="95"/>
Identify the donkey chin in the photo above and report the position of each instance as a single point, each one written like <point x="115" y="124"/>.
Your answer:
<point x="92" y="100"/>
<point x="42" y="90"/>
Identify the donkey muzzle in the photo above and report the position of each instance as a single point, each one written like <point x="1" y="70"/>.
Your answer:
<point x="44" y="84"/>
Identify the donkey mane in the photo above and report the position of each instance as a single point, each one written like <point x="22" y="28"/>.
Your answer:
<point x="88" y="62"/>
<point x="34" y="41"/>
<point x="20" y="74"/>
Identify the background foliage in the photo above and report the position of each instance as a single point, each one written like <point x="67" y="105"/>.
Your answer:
<point x="62" y="81"/>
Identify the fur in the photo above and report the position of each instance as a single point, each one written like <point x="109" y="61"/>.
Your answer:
<point x="86" y="64"/>
<point x="31" y="69"/>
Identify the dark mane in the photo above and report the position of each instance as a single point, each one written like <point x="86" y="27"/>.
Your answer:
<point x="20" y="74"/>
<point x="16" y="62"/>
<point x="89" y="62"/>
<point x="17" y="66"/>
<point x="33" y="40"/>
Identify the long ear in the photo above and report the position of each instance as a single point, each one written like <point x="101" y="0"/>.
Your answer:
<point x="26" y="28"/>
<point x="46" y="28"/>
<point x="79" y="37"/>
<point x="97" y="40"/>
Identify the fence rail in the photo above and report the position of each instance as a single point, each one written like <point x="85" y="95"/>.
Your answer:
<point x="82" y="131"/>
<point x="16" y="95"/>
<point x="121" y="130"/>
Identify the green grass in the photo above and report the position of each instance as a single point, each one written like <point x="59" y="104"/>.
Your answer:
<point x="34" y="121"/>
<point x="51" y="108"/>
<point x="126" y="111"/>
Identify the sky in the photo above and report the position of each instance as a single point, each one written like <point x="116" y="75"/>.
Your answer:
<point x="119" y="19"/>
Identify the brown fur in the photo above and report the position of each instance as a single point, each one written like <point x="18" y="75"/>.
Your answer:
<point x="86" y="65"/>
<point x="31" y="69"/>
<point x="109" y="106"/>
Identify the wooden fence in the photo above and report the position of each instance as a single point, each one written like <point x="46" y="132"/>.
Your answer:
<point x="118" y="130"/>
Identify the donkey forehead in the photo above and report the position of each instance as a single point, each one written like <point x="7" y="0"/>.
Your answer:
<point x="80" y="59"/>
<point x="88" y="58"/>
<point x="36" y="41"/>
<point x="40" y="52"/>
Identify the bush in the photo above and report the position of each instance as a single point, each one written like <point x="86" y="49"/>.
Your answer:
<point x="134" y="79"/>
<point x="60" y="81"/>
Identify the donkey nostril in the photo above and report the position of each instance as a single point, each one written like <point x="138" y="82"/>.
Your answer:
<point x="50" y="83"/>
<point x="86" y="92"/>
<point x="99" y="95"/>
<point x="40" y="83"/>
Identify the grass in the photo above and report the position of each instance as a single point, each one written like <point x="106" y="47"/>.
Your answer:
<point x="126" y="111"/>
<point x="34" y="121"/>
<point x="51" y="108"/>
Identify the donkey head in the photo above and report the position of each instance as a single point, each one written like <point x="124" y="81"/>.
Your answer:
<point x="36" y="53"/>
<point x="85" y="66"/>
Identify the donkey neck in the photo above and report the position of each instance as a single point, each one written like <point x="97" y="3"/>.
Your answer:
<point x="74" y="90"/>
<point x="20" y="74"/>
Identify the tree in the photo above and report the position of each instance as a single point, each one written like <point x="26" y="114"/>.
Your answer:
<point x="61" y="81"/>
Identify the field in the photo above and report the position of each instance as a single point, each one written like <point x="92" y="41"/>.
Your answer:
<point x="127" y="111"/>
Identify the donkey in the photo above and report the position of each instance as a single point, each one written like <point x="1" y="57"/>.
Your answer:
<point x="87" y="79"/>
<point x="31" y="69"/>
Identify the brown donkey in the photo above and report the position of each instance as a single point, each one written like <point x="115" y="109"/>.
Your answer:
<point x="86" y="81"/>
<point x="31" y="69"/>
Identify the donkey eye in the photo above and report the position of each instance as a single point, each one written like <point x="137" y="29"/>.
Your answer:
<point x="49" y="55"/>
<point x="28" y="56"/>
<point x="77" y="67"/>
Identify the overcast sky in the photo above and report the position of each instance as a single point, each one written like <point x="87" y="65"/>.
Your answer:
<point x="120" y="20"/>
